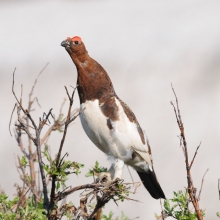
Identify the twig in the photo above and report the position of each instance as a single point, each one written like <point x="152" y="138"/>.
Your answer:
<point x="11" y="118"/>
<point x="20" y="105"/>
<point x="36" y="140"/>
<point x="191" y="189"/>
<point x="37" y="101"/>
<point x="61" y="108"/>
<point x="19" y="202"/>
<point x="67" y="122"/>
<point x="40" y="161"/>
<point x="194" y="155"/>
<point x="162" y="212"/>
<point x="219" y="188"/>
<point x="35" y="82"/>
<point x="23" y="177"/>
<point x="61" y="195"/>
<point x="47" y="134"/>
<point x="31" y="155"/>
<point x="58" y="124"/>
<point x="39" y="191"/>
<point x="130" y="175"/>
<point x="136" y="186"/>
<point x="203" y="178"/>
<point x="24" y="128"/>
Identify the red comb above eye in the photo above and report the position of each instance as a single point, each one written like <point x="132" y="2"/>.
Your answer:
<point x="76" y="38"/>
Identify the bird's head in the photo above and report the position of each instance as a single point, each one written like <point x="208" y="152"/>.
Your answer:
<point x="74" y="45"/>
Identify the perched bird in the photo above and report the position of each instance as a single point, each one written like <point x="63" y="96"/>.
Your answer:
<point x="108" y="121"/>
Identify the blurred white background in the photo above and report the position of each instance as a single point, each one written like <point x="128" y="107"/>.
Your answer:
<point x="144" y="46"/>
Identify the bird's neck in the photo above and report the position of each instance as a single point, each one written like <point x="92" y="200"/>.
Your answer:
<point x="93" y="81"/>
<point x="79" y="59"/>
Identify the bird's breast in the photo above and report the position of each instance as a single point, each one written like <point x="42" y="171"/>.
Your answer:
<point x="115" y="136"/>
<point x="94" y="124"/>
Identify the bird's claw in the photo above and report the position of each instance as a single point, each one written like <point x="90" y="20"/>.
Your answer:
<point x="104" y="178"/>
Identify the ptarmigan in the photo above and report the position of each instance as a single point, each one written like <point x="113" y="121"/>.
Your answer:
<point x="108" y="121"/>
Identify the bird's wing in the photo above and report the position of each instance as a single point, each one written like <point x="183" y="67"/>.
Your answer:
<point x="139" y="140"/>
<point x="145" y="154"/>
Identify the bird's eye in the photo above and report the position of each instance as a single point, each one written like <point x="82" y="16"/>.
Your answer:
<point x="76" y="42"/>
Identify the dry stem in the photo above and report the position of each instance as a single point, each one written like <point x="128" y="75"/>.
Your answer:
<point x="191" y="189"/>
<point x="36" y="139"/>
<point x="203" y="178"/>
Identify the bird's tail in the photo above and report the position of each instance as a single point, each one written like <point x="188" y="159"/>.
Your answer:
<point x="151" y="184"/>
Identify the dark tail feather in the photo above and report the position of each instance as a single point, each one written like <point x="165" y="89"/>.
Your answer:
<point x="151" y="184"/>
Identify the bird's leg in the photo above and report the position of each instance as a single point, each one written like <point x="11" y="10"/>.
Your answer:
<point x="117" y="168"/>
<point x="114" y="172"/>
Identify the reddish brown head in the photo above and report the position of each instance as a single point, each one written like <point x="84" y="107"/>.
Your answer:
<point x="74" y="46"/>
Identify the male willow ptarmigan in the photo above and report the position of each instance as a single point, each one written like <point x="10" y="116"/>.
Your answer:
<point x="109" y="122"/>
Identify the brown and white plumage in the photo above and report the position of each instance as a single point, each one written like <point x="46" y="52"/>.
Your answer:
<point x="108" y="121"/>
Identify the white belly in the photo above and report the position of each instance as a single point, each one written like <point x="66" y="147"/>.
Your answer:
<point x="116" y="142"/>
<point x="94" y="124"/>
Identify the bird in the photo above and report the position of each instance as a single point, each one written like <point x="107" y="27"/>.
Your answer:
<point x="108" y="121"/>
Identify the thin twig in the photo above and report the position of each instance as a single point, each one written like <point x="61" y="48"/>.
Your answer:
<point x="219" y="188"/>
<point x="61" y="108"/>
<point x="203" y="178"/>
<point x="130" y="175"/>
<point x="35" y="140"/>
<point x="11" y="118"/>
<point x="31" y="155"/>
<point x="20" y="105"/>
<point x="194" y="155"/>
<point x="191" y="189"/>
<point x="40" y="161"/>
<point x="19" y="202"/>
<point x="62" y="195"/>
<point x="162" y="212"/>
<point x="39" y="191"/>
<point x="24" y="128"/>
<point x="21" y="94"/>
<point x="35" y="82"/>
<point x="67" y="122"/>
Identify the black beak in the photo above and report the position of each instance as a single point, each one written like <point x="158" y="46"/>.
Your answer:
<point x="65" y="43"/>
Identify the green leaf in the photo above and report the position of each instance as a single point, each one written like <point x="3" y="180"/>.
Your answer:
<point x="46" y="153"/>
<point x="96" y="164"/>
<point x="23" y="161"/>
<point x="167" y="205"/>
<point x="58" y="186"/>
<point x="96" y="169"/>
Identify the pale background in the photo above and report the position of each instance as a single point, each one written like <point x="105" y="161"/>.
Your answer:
<point x="144" y="46"/>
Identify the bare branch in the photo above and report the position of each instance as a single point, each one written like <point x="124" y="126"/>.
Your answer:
<point x="68" y="93"/>
<point x="61" y="108"/>
<point x="219" y="188"/>
<point x="35" y="98"/>
<point x="136" y="185"/>
<point x="11" y="118"/>
<point x="194" y="155"/>
<point x="67" y="122"/>
<point x="24" y="128"/>
<point x="61" y="195"/>
<point x="35" y="140"/>
<point x="203" y="178"/>
<point x="20" y="105"/>
<point x="162" y="211"/>
<point x="35" y="82"/>
<point x="191" y="188"/>
<point x="73" y="119"/>
<point x="20" y="199"/>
